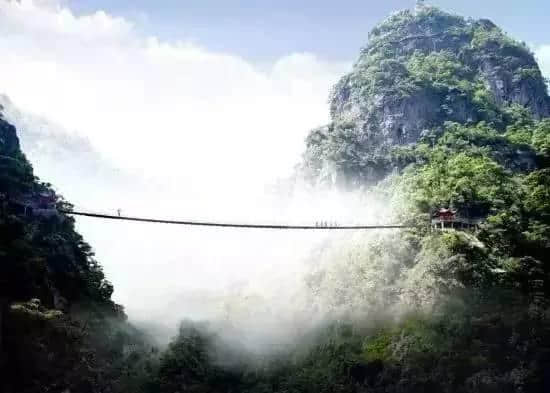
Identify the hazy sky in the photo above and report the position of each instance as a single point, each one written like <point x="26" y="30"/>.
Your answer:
<point x="266" y="29"/>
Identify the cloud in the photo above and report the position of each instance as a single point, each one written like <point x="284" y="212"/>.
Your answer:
<point x="148" y="104"/>
<point x="117" y="119"/>
<point x="48" y="18"/>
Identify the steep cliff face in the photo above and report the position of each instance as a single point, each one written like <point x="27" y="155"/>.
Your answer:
<point x="419" y="70"/>
<point x="9" y="143"/>
<point x="59" y="328"/>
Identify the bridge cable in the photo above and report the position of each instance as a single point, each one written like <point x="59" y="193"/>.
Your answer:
<point x="231" y="225"/>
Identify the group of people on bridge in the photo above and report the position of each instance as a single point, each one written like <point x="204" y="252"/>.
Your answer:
<point x="326" y="224"/>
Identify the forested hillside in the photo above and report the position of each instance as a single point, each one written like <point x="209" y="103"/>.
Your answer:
<point x="419" y="70"/>
<point x="60" y="330"/>
<point x="439" y="113"/>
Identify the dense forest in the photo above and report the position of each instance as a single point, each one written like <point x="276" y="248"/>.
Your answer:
<point x="439" y="112"/>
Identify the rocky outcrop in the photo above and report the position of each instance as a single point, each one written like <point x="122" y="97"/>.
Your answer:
<point x="420" y="70"/>
<point x="512" y="75"/>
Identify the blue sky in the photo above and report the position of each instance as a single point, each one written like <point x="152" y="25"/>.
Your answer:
<point x="335" y="30"/>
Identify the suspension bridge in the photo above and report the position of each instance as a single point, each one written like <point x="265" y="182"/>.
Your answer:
<point x="317" y="227"/>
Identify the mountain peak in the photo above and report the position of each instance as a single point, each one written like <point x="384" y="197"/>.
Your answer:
<point x="420" y="70"/>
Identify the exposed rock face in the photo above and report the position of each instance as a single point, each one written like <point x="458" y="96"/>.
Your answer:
<point x="419" y="70"/>
<point x="521" y="85"/>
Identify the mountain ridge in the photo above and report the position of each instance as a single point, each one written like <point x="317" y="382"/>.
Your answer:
<point x="451" y="311"/>
<point x="59" y="328"/>
<point x="419" y="71"/>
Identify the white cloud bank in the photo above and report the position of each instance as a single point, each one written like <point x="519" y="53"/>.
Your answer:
<point x="150" y="105"/>
<point x="165" y="128"/>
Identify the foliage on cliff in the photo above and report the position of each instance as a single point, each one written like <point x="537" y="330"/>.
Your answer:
<point x="456" y="111"/>
<point x="59" y="327"/>
<point x="419" y="71"/>
<point x="443" y="311"/>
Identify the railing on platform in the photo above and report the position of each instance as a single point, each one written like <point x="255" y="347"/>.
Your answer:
<point x="456" y="223"/>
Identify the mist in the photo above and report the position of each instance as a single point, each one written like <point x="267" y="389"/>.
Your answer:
<point x="173" y="130"/>
<point x="252" y="283"/>
<point x="168" y="129"/>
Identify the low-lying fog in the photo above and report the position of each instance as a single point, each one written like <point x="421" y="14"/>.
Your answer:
<point x="170" y="129"/>
<point x="165" y="273"/>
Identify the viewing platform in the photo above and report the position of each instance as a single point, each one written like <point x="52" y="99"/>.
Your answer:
<point x="445" y="219"/>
